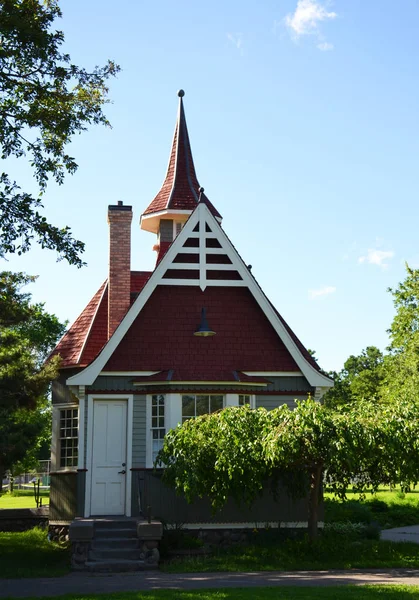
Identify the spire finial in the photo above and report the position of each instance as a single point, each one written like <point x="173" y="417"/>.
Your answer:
<point x="181" y="93"/>
<point x="201" y="191"/>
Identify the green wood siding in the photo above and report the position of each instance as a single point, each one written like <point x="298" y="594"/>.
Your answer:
<point x="63" y="503"/>
<point x="139" y="432"/>
<point x="167" y="505"/>
<point x="271" y="402"/>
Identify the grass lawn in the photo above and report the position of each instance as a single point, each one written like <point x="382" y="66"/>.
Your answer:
<point x="389" y="509"/>
<point x="370" y="592"/>
<point x="30" y="554"/>
<point x="22" y="499"/>
<point x="332" y="551"/>
<point x="345" y="546"/>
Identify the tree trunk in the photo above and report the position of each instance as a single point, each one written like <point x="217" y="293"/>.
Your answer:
<point x="314" y="501"/>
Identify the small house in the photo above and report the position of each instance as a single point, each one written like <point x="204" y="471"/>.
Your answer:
<point x="154" y="348"/>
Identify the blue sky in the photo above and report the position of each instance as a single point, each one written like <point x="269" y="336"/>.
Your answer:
<point x="304" y="124"/>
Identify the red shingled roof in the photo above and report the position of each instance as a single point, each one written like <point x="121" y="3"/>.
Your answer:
<point x="161" y="337"/>
<point x="89" y="333"/>
<point x="180" y="189"/>
<point x="163" y="247"/>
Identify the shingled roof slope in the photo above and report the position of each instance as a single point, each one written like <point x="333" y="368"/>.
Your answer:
<point x="81" y="344"/>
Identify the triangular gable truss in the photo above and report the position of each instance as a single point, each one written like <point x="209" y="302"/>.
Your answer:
<point x="201" y="255"/>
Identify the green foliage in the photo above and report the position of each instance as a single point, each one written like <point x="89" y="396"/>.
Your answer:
<point x="235" y="451"/>
<point x="402" y="364"/>
<point x="44" y="101"/>
<point x="217" y="455"/>
<point x="27" y="334"/>
<point x="360" y="378"/>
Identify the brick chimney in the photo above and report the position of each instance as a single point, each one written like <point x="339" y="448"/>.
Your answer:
<point x="119" y="281"/>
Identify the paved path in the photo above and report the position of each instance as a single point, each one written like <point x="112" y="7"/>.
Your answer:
<point x="75" y="583"/>
<point x="401" y="534"/>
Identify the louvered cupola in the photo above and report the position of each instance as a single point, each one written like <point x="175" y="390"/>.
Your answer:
<point x="180" y="192"/>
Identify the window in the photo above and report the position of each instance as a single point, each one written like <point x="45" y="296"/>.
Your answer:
<point x="244" y="399"/>
<point x="177" y="228"/>
<point x="69" y="422"/>
<point x="158" y="429"/>
<point x="196" y="405"/>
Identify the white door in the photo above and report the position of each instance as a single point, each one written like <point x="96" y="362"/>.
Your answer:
<point x="109" y="457"/>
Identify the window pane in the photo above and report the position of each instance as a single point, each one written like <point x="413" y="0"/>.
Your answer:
<point x="188" y="406"/>
<point x="68" y="437"/>
<point x="202" y="405"/>
<point x="244" y="399"/>
<point x="216" y="403"/>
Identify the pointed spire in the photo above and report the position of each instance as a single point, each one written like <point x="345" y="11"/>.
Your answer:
<point x="180" y="189"/>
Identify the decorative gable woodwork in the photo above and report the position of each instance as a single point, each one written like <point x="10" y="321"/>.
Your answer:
<point x="204" y="257"/>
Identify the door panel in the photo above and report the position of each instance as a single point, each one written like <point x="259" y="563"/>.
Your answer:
<point x="109" y="457"/>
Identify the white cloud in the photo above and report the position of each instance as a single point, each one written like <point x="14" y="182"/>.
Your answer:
<point x="325" y="46"/>
<point x="325" y="291"/>
<point x="377" y="257"/>
<point x="237" y="40"/>
<point x="306" y="20"/>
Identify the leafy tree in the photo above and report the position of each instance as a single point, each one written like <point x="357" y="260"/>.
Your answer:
<point x="218" y="455"/>
<point x="361" y="378"/>
<point x="44" y="101"/>
<point x="27" y="333"/>
<point x="402" y="377"/>
<point x="234" y="452"/>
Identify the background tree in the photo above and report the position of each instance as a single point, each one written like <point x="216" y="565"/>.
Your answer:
<point x="27" y="333"/>
<point x="44" y="101"/>
<point x="402" y="364"/>
<point x="361" y="378"/>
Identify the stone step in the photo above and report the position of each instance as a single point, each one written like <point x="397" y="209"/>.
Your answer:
<point x="97" y="554"/>
<point x="115" y="542"/>
<point x="115" y="533"/>
<point x="117" y="566"/>
<point x="115" y="524"/>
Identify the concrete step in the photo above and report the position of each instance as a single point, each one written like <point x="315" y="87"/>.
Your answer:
<point x="117" y="566"/>
<point x="115" y="554"/>
<point x="115" y="533"/>
<point x="115" y="542"/>
<point x="115" y="524"/>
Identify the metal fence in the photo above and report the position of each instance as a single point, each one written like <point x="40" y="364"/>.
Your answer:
<point x="25" y="481"/>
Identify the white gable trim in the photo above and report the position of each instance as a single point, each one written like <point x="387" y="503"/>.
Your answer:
<point x="203" y="216"/>
<point x="91" y="323"/>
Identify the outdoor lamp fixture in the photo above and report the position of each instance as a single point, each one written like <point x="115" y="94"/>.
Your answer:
<point x="204" y="329"/>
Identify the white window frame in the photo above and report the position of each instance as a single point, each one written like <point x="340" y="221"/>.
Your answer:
<point x="251" y="401"/>
<point x="56" y="439"/>
<point x="156" y="426"/>
<point x="233" y="400"/>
